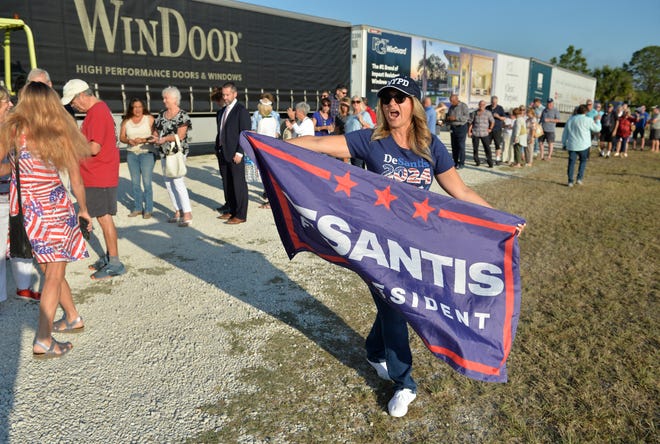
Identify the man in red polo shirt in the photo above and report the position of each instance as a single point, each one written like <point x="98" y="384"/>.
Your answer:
<point x="100" y="172"/>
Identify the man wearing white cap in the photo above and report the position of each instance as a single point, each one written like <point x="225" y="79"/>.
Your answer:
<point x="100" y="172"/>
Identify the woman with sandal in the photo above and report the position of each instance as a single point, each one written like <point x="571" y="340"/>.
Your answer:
<point x="21" y="269"/>
<point x="172" y="122"/>
<point x="42" y="138"/>
<point x="135" y="131"/>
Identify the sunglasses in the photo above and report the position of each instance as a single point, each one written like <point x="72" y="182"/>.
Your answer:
<point x="398" y="98"/>
<point x="356" y="101"/>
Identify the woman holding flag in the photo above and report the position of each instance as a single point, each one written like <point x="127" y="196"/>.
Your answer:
<point x="401" y="140"/>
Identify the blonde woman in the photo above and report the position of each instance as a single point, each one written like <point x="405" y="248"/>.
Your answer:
<point x="518" y="136"/>
<point x="531" y="122"/>
<point x="267" y="125"/>
<point x="44" y="139"/>
<point x="402" y="135"/>
<point x="358" y="119"/>
<point x="22" y="269"/>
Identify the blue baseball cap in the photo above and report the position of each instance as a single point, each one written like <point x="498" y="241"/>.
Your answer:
<point x="404" y="84"/>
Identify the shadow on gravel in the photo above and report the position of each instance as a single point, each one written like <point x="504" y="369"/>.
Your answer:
<point x="248" y="276"/>
<point x="240" y="273"/>
<point x="207" y="174"/>
<point x="15" y="317"/>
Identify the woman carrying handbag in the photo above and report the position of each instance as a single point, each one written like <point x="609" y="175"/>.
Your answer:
<point x="171" y="123"/>
<point x="41" y="138"/>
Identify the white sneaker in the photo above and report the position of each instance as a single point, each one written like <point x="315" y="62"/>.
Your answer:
<point x="381" y="369"/>
<point x="398" y="405"/>
<point x="579" y="182"/>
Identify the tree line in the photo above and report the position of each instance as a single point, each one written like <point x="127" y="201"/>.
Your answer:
<point x="636" y="82"/>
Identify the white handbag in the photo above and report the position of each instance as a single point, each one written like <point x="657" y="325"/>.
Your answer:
<point x="175" y="162"/>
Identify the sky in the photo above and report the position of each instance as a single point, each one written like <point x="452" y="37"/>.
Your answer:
<point x="541" y="30"/>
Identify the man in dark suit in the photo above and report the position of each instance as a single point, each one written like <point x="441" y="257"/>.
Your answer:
<point x="232" y="119"/>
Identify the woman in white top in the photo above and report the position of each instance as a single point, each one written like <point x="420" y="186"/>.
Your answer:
<point x="298" y="122"/>
<point x="507" y="131"/>
<point x="358" y="119"/>
<point x="136" y="131"/>
<point x="267" y="124"/>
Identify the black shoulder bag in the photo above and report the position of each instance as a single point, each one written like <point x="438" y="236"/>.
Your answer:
<point x="19" y="243"/>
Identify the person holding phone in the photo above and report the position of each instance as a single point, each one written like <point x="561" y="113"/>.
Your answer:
<point x="135" y="131"/>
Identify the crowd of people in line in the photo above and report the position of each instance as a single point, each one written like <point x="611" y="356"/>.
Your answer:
<point x="535" y="126"/>
<point x="403" y="124"/>
<point x="525" y="133"/>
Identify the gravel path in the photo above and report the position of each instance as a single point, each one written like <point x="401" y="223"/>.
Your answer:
<point x="154" y="348"/>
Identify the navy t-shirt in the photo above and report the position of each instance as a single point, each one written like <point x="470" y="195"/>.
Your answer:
<point x="500" y="112"/>
<point x="386" y="158"/>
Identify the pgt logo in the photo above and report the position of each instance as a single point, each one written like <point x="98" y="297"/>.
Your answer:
<point x="379" y="45"/>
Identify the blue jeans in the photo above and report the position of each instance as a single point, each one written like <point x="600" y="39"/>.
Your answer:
<point x="572" y="156"/>
<point x="388" y="341"/>
<point x="141" y="168"/>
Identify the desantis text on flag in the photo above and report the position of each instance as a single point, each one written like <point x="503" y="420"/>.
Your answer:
<point x="450" y="267"/>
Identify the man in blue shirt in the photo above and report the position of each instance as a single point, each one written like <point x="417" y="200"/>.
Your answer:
<point x="431" y="114"/>
<point x="640" y="126"/>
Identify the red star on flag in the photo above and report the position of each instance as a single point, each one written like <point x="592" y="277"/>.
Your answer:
<point x="344" y="183"/>
<point x="423" y="209"/>
<point x="385" y="197"/>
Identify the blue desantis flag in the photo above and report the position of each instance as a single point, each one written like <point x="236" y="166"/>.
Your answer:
<point x="450" y="267"/>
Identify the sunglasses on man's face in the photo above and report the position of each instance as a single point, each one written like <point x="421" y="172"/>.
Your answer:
<point x="398" y="98"/>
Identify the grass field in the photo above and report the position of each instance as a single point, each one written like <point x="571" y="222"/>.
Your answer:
<point x="584" y="364"/>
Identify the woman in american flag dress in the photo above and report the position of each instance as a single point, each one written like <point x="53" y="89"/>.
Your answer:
<point x="43" y="139"/>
